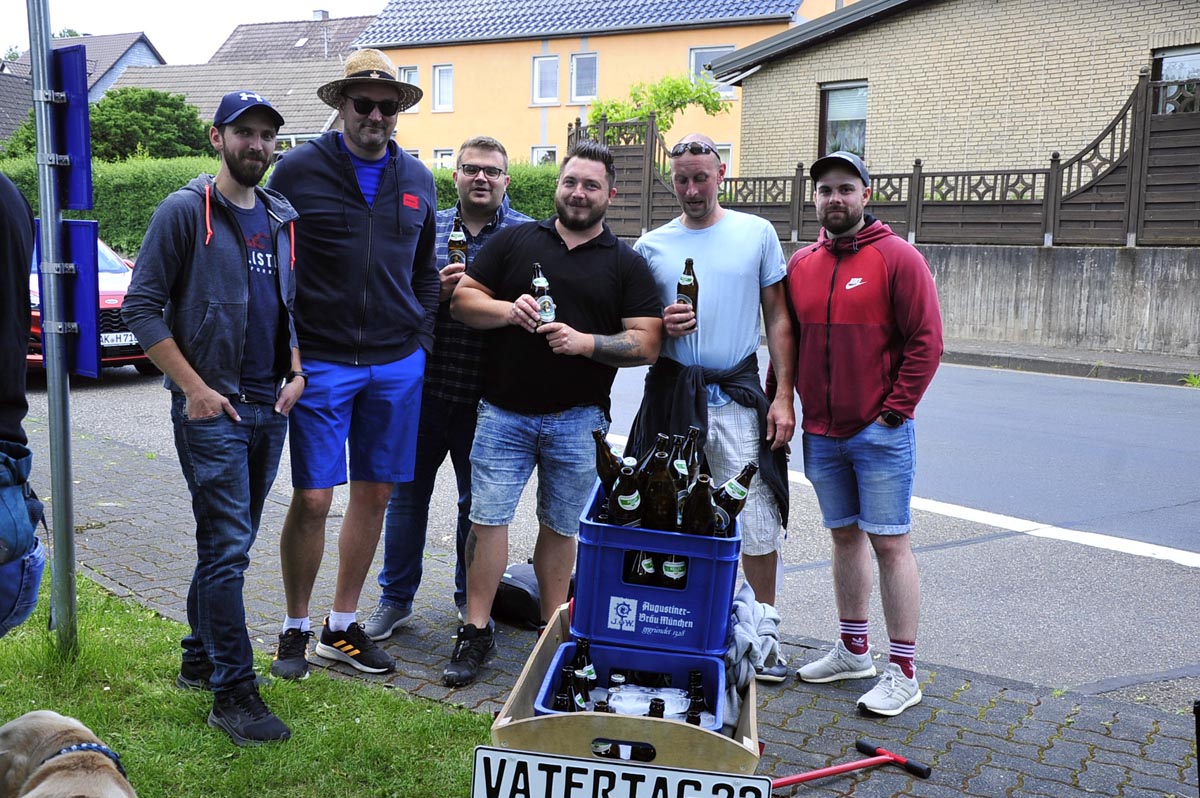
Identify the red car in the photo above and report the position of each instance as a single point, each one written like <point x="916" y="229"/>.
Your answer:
<point x="118" y="347"/>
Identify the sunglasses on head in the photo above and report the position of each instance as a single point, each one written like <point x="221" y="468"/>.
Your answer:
<point x="471" y="169"/>
<point x="364" y="106"/>
<point x="695" y="148"/>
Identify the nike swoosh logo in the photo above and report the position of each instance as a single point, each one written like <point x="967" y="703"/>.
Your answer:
<point x="854" y="282"/>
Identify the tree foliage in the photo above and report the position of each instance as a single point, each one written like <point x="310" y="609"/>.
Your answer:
<point x="132" y="122"/>
<point x="665" y="99"/>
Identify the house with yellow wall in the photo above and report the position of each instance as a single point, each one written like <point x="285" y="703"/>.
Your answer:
<point x="521" y="71"/>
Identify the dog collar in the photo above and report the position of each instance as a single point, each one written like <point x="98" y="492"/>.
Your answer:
<point x="93" y="747"/>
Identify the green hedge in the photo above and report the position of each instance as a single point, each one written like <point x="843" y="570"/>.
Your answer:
<point x="125" y="193"/>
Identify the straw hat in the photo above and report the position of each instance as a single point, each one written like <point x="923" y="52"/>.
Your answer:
<point x="370" y="66"/>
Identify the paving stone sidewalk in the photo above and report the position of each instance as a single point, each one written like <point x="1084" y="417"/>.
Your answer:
<point x="983" y="736"/>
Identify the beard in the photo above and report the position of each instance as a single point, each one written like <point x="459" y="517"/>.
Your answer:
<point x="843" y="222"/>
<point x="247" y="170"/>
<point x="584" y="216"/>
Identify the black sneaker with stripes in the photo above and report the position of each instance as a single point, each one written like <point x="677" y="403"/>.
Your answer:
<point x="354" y="648"/>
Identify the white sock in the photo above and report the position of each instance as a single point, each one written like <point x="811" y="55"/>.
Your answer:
<point x="303" y="624"/>
<point x="340" y="621"/>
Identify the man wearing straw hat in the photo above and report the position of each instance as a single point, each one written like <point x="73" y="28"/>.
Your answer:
<point x="366" y="299"/>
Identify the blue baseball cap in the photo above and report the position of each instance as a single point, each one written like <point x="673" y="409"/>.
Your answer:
<point x="236" y="103"/>
<point x="839" y="158"/>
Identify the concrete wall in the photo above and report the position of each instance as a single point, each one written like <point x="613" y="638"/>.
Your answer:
<point x="966" y="84"/>
<point x="1138" y="299"/>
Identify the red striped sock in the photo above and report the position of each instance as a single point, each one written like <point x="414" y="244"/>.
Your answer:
<point x="903" y="653"/>
<point x="854" y="635"/>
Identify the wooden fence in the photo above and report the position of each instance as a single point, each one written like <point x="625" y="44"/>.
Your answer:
<point x="1137" y="183"/>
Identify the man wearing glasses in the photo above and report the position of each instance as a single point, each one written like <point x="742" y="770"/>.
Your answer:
<point x="707" y="374"/>
<point x="366" y="299"/>
<point x="453" y="387"/>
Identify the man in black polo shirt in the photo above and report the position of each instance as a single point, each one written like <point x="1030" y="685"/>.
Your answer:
<point x="550" y="369"/>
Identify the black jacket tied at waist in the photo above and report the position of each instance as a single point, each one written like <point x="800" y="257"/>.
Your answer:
<point x="675" y="398"/>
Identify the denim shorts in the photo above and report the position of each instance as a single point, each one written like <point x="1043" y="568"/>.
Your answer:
<point x="865" y="479"/>
<point x="19" y="583"/>
<point x="375" y="408"/>
<point x="507" y="447"/>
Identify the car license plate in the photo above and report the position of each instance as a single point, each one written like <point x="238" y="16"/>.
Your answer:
<point x="505" y="773"/>
<point x="118" y="339"/>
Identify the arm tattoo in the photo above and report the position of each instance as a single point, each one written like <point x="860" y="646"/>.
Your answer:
<point x="622" y="349"/>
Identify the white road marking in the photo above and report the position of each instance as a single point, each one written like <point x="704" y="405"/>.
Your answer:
<point x="1035" y="528"/>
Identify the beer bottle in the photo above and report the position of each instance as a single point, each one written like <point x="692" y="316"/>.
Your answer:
<point x="625" y="501"/>
<point x="539" y="288"/>
<point x="456" y="246"/>
<point x="679" y="471"/>
<point x="688" y="290"/>
<point x="616" y="680"/>
<point x="662" y="443"/>
<point x="602" y="707"/>
<point x="641" y="568"/>
<point x="674" y="571"/>
<point x="658" y="708"/>
<point x="608" y="462"/>
<point x="582" y="693"/>
<point x="660" y="499"/>
<point x="731" y="498"/>
<point x="567" y="685"/>
<point x="583" y="661"/>
<point x="695" y="688"/>
<point x="562" y="702"/>
<point x="695" y="708"/>
<point x="692" y="453"/>
<point x="699" y="514"/>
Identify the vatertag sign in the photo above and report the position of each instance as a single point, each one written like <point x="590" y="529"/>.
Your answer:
<point x="504" y="773"/>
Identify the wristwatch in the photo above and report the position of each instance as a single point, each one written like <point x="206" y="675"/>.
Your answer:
<point x="892" y="418"/>
<point x="291" y="375"/>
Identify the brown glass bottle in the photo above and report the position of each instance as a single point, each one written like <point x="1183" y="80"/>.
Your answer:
<point x="699" y="514"/>
<point x="688" y="290"/>
<point x="608" y="462"/>
<point x="693" y="451"/>
<point x="730" y="498"/>
<point x="673" y="571"/>
<point x="539" y="289"/>
<point x="456" y="245"/>
<point x="662" y="443"/>
<point x="625" y="500"/>
<point x="659" y="497"/>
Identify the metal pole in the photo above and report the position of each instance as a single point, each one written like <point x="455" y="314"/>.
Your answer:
<point x="62" y="590"/>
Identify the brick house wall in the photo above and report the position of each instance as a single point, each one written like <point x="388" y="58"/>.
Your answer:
<point x="966" y="84"/>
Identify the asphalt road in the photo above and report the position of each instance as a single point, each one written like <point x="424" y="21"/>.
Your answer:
<point x="994" y="600"/>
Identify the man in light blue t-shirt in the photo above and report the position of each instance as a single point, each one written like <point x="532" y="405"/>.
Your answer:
<point x="709" y="360"/>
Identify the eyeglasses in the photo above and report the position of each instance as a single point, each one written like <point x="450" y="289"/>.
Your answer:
<point x="695" y="148"/>
<point x="364" y="106"/>
<point x="470" y="170"/>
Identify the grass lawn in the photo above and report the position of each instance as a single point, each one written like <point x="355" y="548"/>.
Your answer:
<point x="348" y="738"/>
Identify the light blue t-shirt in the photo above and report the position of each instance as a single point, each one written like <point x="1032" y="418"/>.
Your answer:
<point x="734" y="260"/>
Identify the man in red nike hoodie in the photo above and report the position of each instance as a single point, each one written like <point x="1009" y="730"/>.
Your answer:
<point x="869" y="338"/>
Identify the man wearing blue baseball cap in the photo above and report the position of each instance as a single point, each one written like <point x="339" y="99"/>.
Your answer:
<point x="211" y="303"/>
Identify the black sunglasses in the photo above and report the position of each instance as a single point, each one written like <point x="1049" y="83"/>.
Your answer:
<point x="364" y="106"/>
<point x="695" y="148"/>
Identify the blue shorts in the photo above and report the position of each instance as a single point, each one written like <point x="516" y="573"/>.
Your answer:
<point x="19" y="584"/>
<point x="507" y="447"/>
<point x="375" y="408"/>
<point x="865" y="479"/>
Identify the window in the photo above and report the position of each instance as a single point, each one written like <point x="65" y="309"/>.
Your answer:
<point x="443" y="87"/>
<point x="408" y="74"/>
<point x="700" y="57"/>
<point x="844" y="118"/>
<point x="414" y="153"/>
<point x="726" y="153"/>
<point x="543" y="155"/>
<point x="545" y="79"/>
<point x="1177" y="63"/>
<point x="443" y="159"/>
<point x="584" y="68"/>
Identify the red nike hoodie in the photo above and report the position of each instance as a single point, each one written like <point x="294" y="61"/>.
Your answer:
<point x="868" y="328"/>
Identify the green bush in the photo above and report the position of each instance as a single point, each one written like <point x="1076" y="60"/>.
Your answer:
<point x="125" y="193"/>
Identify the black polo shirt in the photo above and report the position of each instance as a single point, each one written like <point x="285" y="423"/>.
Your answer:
<point x="594" y="286"/>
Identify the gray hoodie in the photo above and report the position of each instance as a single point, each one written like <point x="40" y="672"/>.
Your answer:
<point x="191" y="282"/>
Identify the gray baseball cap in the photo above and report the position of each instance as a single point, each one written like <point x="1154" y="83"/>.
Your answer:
<point x="839" y="158"/>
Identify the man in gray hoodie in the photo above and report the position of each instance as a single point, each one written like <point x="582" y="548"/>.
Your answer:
<point x="211" y="303"/>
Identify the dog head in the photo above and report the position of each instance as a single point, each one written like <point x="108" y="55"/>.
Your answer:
<point x="29" y="741"/>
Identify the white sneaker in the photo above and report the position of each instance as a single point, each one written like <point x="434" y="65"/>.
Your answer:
<point x="892" y="694"/>
<point x="838" y="664"/>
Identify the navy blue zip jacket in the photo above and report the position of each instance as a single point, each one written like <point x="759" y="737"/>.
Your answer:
<point x="192" y="265"/>
<point x="366" y="275"/>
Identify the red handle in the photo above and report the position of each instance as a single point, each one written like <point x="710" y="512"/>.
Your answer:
<point x="914" y="767"/>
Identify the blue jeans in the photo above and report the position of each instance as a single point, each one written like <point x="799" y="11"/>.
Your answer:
<point x="445" y="428"/>
<point x="229" y="467"/>
<point x="20" y="580"/>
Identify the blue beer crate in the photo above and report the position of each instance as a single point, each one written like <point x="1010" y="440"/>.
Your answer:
<point x="612" y="609"/>
<point x="633" y="662"/>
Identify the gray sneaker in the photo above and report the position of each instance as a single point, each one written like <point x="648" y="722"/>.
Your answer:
<point x="772" y="673"/>
<point x="386" y="619"/>
<point x="838" y="664"/>
<point x="892" y="694"/>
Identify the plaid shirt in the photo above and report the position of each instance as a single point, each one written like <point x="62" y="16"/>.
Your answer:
<point x="455" y="371"/>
